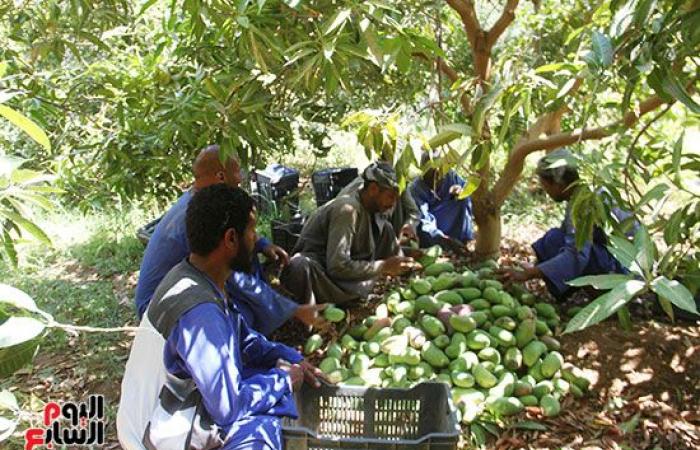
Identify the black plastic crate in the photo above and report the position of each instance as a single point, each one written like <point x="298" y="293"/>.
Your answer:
<point x="277" y="181"/>
<point x="333" y="417"/>
<point x="328" y="183"/>
<point x="145" y="232"/>
<point x="286" y="234"/>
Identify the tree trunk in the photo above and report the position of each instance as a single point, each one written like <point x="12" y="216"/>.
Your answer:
<point x="488" y="223"/>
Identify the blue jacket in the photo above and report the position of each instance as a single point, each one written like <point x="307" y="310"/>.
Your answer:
<point x="263" y="307"/>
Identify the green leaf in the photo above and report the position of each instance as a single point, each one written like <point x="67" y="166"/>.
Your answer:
<point x="8" y="401"/>
<point x="17" y="330"/>
<point x="27" y="125"/>
<point x="16" y="357"/>
<point x="674" y="292"/>
<point x="676" y="160"/>
<point x="449" y="133"/>
<point x="655" y="193"/>
<point x="26" y="225"/>
<point x="645" y="248"/>
<point x="7" y="428"/>
<point x="605" y="305"/>
<point x="529" y="425"/>
<point x="338" y="21"/>
<point x="672" y="228"/>
<point x="18" y="299"/>
<point x="673" y="87"/>
<point x="9" y="246"/>
<point x="470" y="186"/>
<point x="641" y="12"/>
<point x="482" y="106"/>
<point x="667" y="306"/>
<point x="602" y="49"/>
<point x="623" y="316"/>
<point x="623" y="250"/>
<point x="556" y="67"/>
<point x="601" y="282"/>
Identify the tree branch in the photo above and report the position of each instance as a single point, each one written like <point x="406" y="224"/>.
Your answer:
<point x="514" y="166"/>
<point x="450" y="72"/>
<point x="502" y="23"/>
<point x="466" y="11"/>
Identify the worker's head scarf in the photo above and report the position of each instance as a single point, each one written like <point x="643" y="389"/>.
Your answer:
<point x="555" y="165"/>
<point x="382" y="174"/>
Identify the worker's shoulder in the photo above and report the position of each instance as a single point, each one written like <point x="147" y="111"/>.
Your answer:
<point x="345" y="204"/>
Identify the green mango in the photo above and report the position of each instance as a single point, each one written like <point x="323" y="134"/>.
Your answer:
<point x="562" y="386"/>
<point x="480" y="304"/>
<point x="463" y="324"/>
<point x="513" y="358"/>
<point x="434" y="356"/>
<point x="505" y="385"/>
<point x="528" y="299"/>
<point x="545" y="310"/>
<point x="360" y="363"/>
<point x="483" y="377"/>
<point x="524" y="312"/>
<point x="411" y="356"/>
<point x="445" y="378"/>
<point x="406" y="308"/>
<point x="551" y="343"/>
<point x="450" y="297"/>
<point x="442" y="341"/>
<point x="421" y="287"/>
<point x="477" y="339"/>
<point x="532" y="352"/>
<point x="500" y="311"/>
<point x="458" y="345"/>
<point x="422" y="370"/>
<point x="469" y="293"/>
<point x="551" y="364"/>
<point x="525" y="333"/>
<point x="400" y="374"/>
<point x="504" y="337"/>
<point x="506" y="406"/>
<point x="313" y="343"/>
<point x="550" y="406"/>
<point x="529" y="400"/>
<point x="536" y="371"/>
<point x="329" y="364"/>
<point x="400" y="323"/>
<point x="497" y="285"/>
<point x="358" y="331"/>
<point x="436" y="269"/>
<point x="507" y="323"/>
<point x="348" y="343"/>
<point x="462" y="379"/>
<point x="371" y="348"/>
<point x="491" y="294"/>
<point x="333" y="314"/>
<point x="432" y="326"/>
<point x="542" y="388"/>
<point x="522" y="388"/>
<point x="382" y="360"/>
<point x="489" y="354"/>
<point x="353" y="381"/>
<point x="335" y="351"/>
<point x="430" y="255"/>
<point x="427" y="303"/>
<point x="541" y="328"/>
<point x="480" y="317"/>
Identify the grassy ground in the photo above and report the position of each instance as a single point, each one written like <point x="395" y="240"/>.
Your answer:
<point x="87" y="278"/>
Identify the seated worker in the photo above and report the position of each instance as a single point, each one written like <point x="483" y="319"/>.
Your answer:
<point x="225" y="385"/>
<point x="445" y="220"/>
<point x="558" y="259"/>
<point x="263" y="307"/>
<point x="347" y="243"/>
<point x="403" y="216"/>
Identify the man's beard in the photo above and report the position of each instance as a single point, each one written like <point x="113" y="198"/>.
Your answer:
<point x="243" y="261"/>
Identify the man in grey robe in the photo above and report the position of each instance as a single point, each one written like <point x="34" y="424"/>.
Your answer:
<point x="347" y="243"/>
<point x="404" y="216"/>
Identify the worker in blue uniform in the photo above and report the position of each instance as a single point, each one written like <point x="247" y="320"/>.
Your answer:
<point x="445" y="219"/>
<point x="264" y="308"/>
<point x="227" y="386"/>
<point x="558" y="258"/>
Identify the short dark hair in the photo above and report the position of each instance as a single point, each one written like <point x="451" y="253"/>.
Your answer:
<point x="567" y="177"/>
<point x="212" y="211"/>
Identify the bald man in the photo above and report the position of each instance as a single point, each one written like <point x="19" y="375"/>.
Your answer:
<point x="263" y="308"/>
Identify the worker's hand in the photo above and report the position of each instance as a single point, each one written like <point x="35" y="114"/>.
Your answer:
<point x="312" y="374"/>
<point x="296" y="374"/>
<point x="518" y="275"/>
<point x="398" y="265"/>
<point x="309" y="315"/>
<point x="408" y="232"/>
<point x="455" y="190"/>
<point x="276" y="253"/>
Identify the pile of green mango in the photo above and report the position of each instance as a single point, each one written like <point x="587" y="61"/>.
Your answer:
<point x="493" y="347"/>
